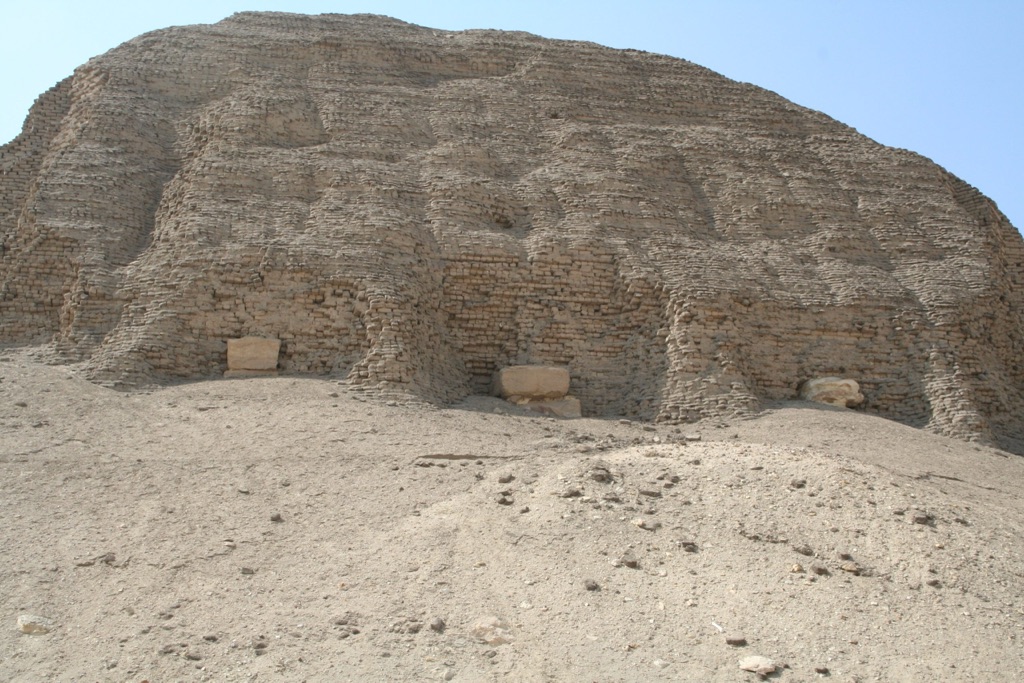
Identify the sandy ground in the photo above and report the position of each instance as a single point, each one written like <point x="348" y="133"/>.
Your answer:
<point x="290" y="529"/>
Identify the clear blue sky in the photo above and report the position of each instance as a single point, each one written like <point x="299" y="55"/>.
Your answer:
<point x="944" y="78"/>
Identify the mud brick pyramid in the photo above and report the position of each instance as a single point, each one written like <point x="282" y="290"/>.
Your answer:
<point x="411" y="210"/>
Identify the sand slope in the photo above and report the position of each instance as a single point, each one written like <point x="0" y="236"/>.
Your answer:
<point x="141" y="525"/>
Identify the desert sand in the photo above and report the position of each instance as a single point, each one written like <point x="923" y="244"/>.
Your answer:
<point x="295" y="529"/>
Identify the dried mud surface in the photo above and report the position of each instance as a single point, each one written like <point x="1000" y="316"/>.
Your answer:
<point x="839" y="545"/>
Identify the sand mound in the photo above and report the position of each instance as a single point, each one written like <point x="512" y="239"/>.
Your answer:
<point x="287" y="529"/>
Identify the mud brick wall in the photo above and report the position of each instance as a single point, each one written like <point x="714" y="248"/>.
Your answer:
<point x="409" y="210"/>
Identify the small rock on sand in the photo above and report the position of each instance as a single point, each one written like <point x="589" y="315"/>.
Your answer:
<point x="34" y="625"/>
<point x="491" y="630"/>
<point x="762" y="666"/>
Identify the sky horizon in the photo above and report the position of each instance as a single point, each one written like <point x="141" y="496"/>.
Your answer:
<point x="941" y="78"/>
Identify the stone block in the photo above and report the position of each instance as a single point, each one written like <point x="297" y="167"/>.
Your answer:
<point x="253" y="353"/>
<point x="532" y="382"/>
<point x="835" y="391"/>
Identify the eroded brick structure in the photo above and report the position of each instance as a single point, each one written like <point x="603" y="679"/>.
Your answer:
<point x="412" y="209"/>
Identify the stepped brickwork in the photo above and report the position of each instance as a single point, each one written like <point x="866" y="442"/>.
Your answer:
<point x="411" y="209"/>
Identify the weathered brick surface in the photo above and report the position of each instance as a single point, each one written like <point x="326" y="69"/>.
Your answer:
<point x="414" y="209"/>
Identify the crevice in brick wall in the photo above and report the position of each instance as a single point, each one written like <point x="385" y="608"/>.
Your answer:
<point x="20" y="159"/>
<point x="31" y="273"/>
<point x="564" y="306"/>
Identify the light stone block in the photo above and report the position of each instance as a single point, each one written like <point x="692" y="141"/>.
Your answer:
<point x="835" y="391"/>
<point x="532" y="382"/>
<point x="253" y="353"/>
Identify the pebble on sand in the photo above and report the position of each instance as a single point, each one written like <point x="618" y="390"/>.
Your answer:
<point x="34" y="625"/>
<point x="491" y="630"/>
<point x="628" y="559"/>
<point x="762" y="666"/>
<point x="645" y="524"/>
